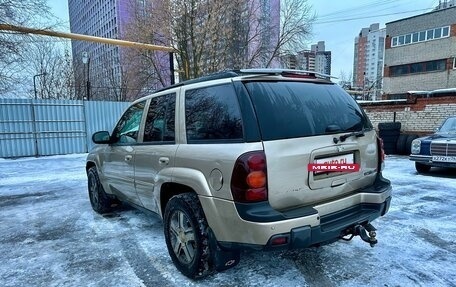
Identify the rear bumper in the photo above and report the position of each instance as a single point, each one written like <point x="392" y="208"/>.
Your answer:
<point x="255" y="228"/>
<point x="332" y="226"/>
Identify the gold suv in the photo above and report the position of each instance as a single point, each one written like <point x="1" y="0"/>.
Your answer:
<point x="246" y="159"/>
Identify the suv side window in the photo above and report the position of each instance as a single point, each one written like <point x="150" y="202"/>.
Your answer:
<point x="212" y="114"/>
<point x="160" y="122"/>
<point x="127" y="128"/>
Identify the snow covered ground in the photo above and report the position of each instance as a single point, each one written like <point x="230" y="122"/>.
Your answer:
<point x="50" y="236"/>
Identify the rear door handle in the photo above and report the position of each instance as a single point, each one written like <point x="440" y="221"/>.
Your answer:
<point x="163" y="160"/>
<point x="128" y="157"/>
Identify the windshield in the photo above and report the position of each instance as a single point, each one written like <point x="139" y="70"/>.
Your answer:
<point x="299" y="109"/>
<point x="449" y="126"/>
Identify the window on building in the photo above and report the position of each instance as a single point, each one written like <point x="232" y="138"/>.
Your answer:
<point x="416" y="68"/>
<point x="435" y="65"/>
<point x="399" y="70"/>
<point x="421" y="67"/>
<point x="428" y="35"/>
<point x="394" y="41"/>
<point x="438" y="33"/>
<point x="408" y="39"/>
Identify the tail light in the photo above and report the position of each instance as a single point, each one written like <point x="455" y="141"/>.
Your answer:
<point x="249" y="179"/>
<point x="381" y="154"/>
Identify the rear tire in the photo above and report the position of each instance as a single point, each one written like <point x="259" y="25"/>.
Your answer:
<point x="187" y="237"/>
<point x="422" y="168"/>
<point x="100" y="201"/>
<point x="401" y="144"/>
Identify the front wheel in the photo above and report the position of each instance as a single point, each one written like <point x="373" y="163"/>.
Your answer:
<point x="99" y="200"/>
<point x="186" y="234"/>
<point x="422" y="168"/>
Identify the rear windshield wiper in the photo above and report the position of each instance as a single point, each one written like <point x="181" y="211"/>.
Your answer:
<point x="357" y="134"/>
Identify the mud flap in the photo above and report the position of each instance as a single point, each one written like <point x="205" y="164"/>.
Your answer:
<point x="221" y="258"/>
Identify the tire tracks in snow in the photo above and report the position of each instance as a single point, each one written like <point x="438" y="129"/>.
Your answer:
<point x="142" y="265"/>
<point x="309" y="263"/>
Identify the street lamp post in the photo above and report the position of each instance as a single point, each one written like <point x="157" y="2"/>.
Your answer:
<point x="86" y="60"/>
<point x="34" y="83"/>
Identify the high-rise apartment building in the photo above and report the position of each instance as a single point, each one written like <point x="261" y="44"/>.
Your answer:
<point x="267" y="21"/>
<point x="368" y="60"/>
<point x="322" y="58"/>
<point x="316" y="59"/>
<point x="110" y="73"/>
<point x="108" y="68"/>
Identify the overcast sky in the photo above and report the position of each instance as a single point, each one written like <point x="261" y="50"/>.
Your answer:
<point x="338" y="22"/>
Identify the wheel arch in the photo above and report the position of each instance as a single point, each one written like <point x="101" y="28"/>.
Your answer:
<point x="89" y="165"/>
<point x="170" y="189"/>
<point x="181" y="180"/>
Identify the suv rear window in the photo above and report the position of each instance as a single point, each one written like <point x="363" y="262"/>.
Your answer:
<point x="304" y="109"/>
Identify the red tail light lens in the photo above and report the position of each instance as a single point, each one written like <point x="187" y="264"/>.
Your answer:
<point x="256" y="162"/>
<point x="254" y="195"/>
<point x="249" y="178"/>
<point x="279" y="240"/>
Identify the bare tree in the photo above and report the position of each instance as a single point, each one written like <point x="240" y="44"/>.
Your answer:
<point x="210" y="36"/>
<point x="296" y="19"/>
<point x="32" y="13"/>
<point x="345" y="80"/>
<point x="53" y="60"/>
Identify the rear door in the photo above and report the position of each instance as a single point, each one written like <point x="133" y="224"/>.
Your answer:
<point x="157" y="151"/>
<point x="302" y="123"/>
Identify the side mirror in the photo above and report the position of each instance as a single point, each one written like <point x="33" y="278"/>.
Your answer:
<point x="101" y="137"/>
<point x="436" y="130"/>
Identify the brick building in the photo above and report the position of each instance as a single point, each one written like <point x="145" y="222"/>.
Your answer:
<point x="420" y="53"/>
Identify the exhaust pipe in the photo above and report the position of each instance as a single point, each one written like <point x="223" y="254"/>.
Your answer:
<point x="366" y="232"/>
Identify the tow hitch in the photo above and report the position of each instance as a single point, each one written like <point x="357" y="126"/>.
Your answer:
<point x="366" y="232"/>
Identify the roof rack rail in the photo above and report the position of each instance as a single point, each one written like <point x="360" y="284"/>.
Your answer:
<point x="284" y="72"/>
<point x="235" y="73"/>
<point x="215" y="76"/>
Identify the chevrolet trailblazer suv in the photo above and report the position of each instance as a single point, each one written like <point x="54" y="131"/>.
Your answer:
<point x="257" y="159"/>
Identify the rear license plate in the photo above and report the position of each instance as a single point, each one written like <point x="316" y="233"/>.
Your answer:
<point x="340" y="163"/>
<point x="340" y="159"/>
<point x="441" y="158"/>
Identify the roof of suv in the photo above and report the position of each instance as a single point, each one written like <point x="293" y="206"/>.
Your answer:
<point x="254" y="72"/>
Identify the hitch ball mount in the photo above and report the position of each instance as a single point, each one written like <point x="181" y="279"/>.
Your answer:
<point x="366" y="232"/>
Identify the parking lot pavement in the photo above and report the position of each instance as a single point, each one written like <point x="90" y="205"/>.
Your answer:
<point x="51" y="237"/>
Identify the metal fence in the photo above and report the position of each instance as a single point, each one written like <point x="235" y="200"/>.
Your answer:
<point x="31" y="127"/>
